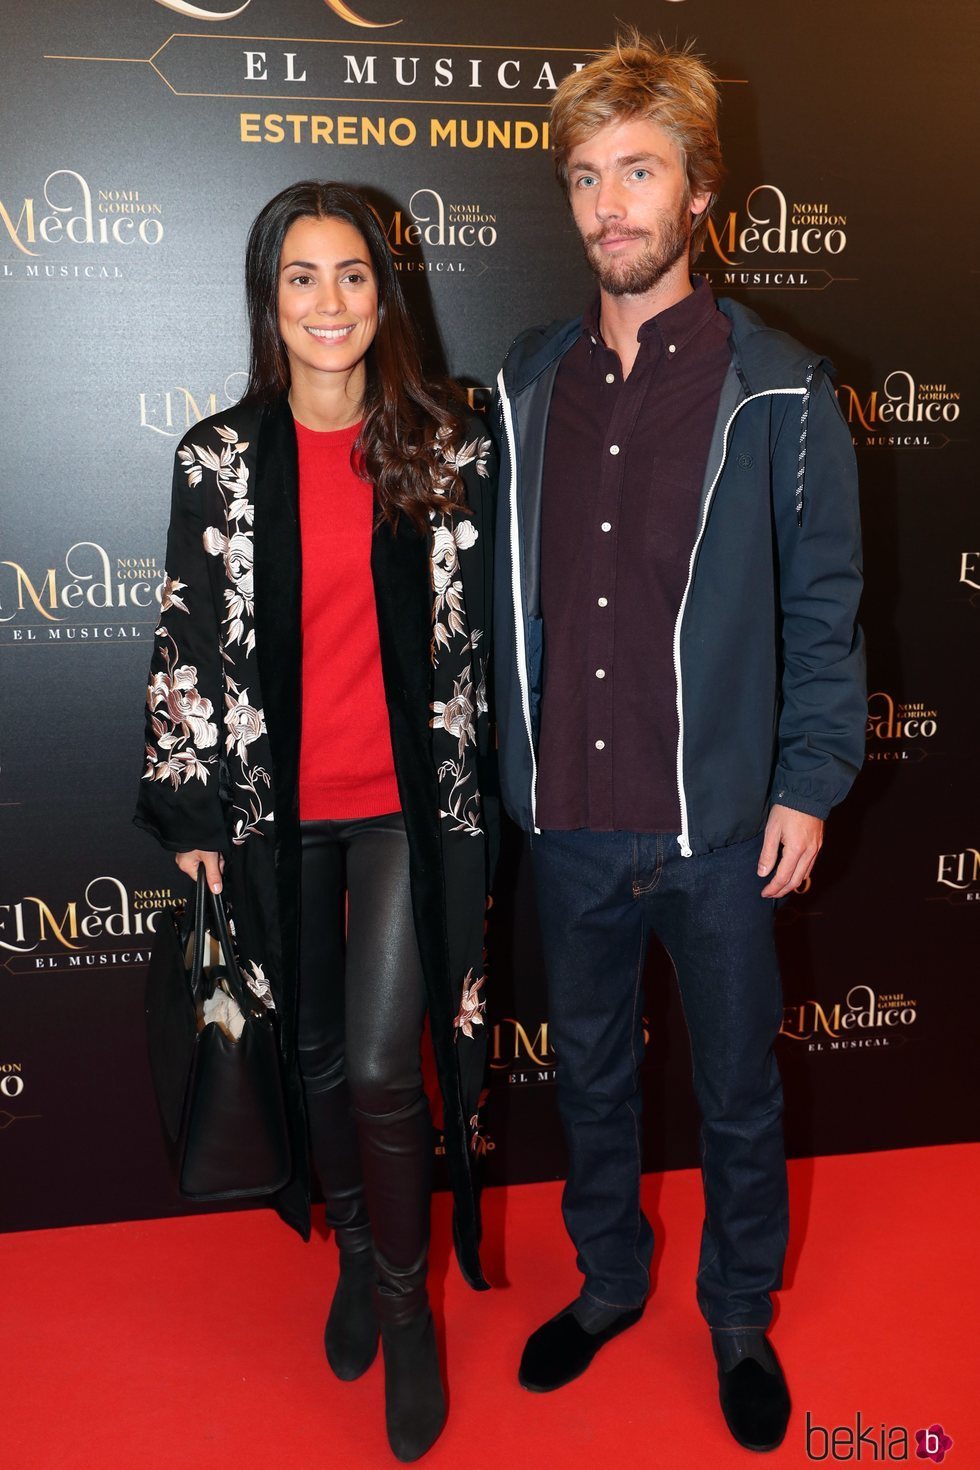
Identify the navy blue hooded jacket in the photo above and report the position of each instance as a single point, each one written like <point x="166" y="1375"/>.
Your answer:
<point x="768" y="657"/>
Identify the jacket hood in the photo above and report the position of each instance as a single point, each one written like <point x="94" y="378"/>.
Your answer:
<point x="764" y="358"/>
<point x="535" y="349"/>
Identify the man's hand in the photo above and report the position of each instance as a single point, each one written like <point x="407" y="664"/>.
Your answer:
<point x="801" y="838"/>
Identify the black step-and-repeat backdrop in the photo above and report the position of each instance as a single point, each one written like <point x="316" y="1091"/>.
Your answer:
<point x="140" y="138"/>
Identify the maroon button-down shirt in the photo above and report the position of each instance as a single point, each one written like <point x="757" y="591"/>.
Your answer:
<point x="624" y="467"/>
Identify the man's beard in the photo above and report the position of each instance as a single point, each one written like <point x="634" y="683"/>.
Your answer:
<point x="644" y="269"/>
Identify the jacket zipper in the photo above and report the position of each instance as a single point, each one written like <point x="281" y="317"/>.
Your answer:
<point x="684" y="839"/>
<point x="517" y="594"/>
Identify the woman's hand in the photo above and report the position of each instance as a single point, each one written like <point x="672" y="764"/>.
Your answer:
<point x="214" y="866"/>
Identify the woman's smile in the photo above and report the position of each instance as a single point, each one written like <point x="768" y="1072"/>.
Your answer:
<point x="332" y="334"/>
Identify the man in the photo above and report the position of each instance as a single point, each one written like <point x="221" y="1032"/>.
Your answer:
<point x="679" y="694"/>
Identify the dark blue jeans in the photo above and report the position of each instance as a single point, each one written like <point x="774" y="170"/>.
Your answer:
<point x="601" y="895"/>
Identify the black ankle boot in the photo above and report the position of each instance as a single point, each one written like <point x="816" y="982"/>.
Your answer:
<point x="415" y="1402"/>
<point x="351" y="1334"/>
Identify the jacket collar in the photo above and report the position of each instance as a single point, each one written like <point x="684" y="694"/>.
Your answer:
<point x="278" y="593"/>
<point x="535" y="350"/>
<point x="762" y="358"/>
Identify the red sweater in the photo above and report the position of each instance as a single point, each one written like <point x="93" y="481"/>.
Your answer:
<point x="346" y="767"/>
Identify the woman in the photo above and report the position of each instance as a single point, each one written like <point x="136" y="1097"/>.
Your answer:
<point x="317" y="736"/>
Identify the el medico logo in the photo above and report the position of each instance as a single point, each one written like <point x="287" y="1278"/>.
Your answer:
<point x="523" y="1052"/>
<point x="902" y="413"/>
<point x="863" y="1021"/>
<point x="172" y="411"/>
<point x="899" y="731"/>
<point x="67" y="215"/>
<point x="958" y="876"/>
<point x="433" y="235"/>
<point x="109" y="926"/>
<point x="775" y="241"/>
<point x="88" y="597"/>
<point x="969" y="574"/>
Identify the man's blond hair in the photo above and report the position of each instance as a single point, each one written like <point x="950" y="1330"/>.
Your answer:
<point x="637" y="80"/>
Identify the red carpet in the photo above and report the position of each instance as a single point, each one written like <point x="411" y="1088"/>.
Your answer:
<point x="192" y="1343"/>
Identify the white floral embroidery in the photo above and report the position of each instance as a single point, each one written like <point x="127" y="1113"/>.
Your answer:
<point x="456" y="716"/>
<point x="449" y="538"/>
<point x="169" y="596"/>
<point x="471" y="1007"/>
<point x="258" y="984"/>
<point x="473" y="451"/>
<point x="245" y="726"/>
<point x="234" y="545"/>
<point x="180" y="719"/>
<point x="457" y="665"/>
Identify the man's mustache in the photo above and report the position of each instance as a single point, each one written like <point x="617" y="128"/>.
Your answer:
<point x="618" y="232"/>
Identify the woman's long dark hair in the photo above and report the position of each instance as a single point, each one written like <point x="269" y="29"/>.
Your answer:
<point x="403" y="413"/>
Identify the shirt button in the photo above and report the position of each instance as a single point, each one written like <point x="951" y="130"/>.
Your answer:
<point x="671" y="348"/>
<point x="600" y="745"/>
<point x="606" y="526"/>
<point x="614" y="449"/>
<point x="600" y="673"/>
<point x="610" y="377"/>
<point x="603" y="601"/>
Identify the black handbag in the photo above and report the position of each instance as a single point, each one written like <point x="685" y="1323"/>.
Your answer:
<point x="220" y="1098"/>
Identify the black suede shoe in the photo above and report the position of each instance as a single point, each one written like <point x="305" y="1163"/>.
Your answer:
<point x="752" y="1389"/>
<point x="562" y="1349"/>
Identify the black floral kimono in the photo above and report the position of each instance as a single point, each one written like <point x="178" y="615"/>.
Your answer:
<point x="223" y="737"/>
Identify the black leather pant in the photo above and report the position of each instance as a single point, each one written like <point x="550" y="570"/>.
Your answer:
<point x="361" y="1013"/>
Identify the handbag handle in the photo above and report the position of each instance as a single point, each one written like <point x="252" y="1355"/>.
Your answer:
<point x="200" y="924"/>
<point x="246" y="1001"/>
